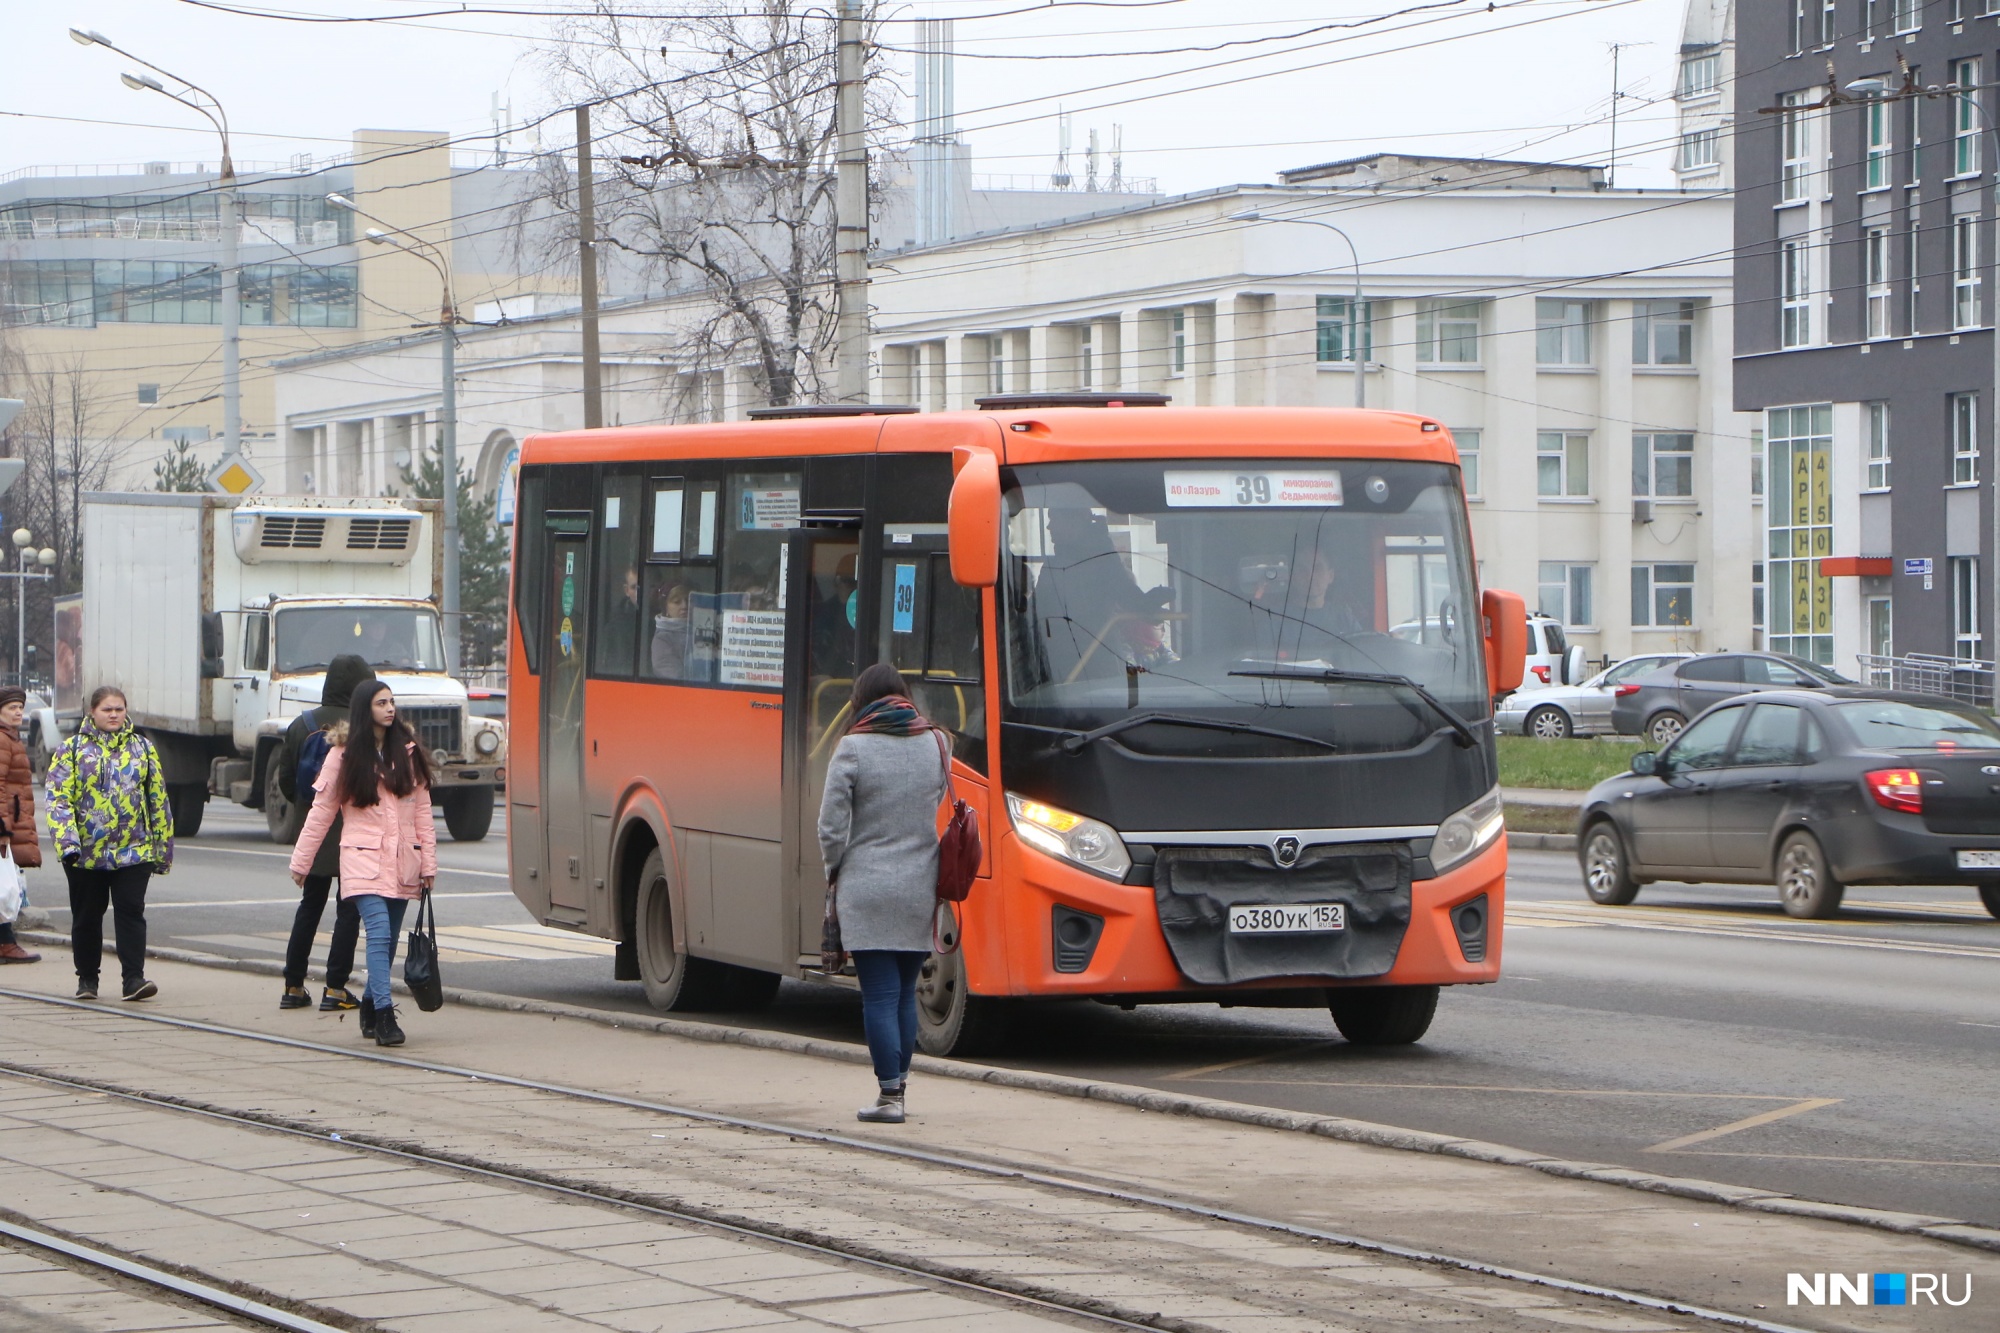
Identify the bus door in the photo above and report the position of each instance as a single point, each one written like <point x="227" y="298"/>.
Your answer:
<point x="564" y="655"/>
<point x="823" y="612"/>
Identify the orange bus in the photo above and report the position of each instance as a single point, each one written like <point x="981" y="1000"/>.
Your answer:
<point x="1217" y="680"/>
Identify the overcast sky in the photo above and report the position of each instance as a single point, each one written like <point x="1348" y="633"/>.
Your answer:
<point x="1530" y="78"/>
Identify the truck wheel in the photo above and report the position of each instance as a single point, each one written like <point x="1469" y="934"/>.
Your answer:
<point x="39" y="755"/>
<point x="673" y="981"/>
<point x="285" y="819"/>
<point x="1382" y="1015"/>
<point x="189" y="800"/>
<point x="951" y="1020"/>
<point x="468" y="811"/>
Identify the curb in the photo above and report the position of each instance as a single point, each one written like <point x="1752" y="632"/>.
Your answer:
<point x="1340" y="1128"/>
<point x="1542" y="842"/>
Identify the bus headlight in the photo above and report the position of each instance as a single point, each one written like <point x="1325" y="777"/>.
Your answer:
<point x="1080" y="841"/>
<point x="1466" y="833"/>
<point x="487" y="742"/>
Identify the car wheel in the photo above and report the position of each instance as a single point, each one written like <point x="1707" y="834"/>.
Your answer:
<point x="1806" y="886"/>
<point x="1382" y="1015"/>
<point x="1989" y="893"/>
<point x="1664" y="727"/>
<point x="1607" y="875"/>
<point x="1549" y="723"/>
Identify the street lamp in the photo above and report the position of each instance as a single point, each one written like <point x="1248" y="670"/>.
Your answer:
<point x="1354" y="307"/>
<point x="28" y="556"/>
<point x="232" y="389"/>
<point x="448" y="444"/>
<point x="1880" y="90"/>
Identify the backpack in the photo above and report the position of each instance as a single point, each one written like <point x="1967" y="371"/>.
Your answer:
<point x="312" y="758"/>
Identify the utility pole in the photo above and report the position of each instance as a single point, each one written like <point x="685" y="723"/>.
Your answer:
<point x="850" y="212"/>
<point x="232" y="317"/>
<point x="586" y="256"/>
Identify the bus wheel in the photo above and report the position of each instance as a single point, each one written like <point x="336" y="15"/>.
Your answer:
<point x="951" y="1020"/>
<point x="1382" y="1015"/>
<point x="671" y="978"/>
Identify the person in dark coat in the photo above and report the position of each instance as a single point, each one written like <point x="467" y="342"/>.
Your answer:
<point x="17" y="808"/>
<point x="342" y="675"/>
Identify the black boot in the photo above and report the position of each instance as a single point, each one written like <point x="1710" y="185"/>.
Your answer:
<point x="367" y="1018"/>
<point x="386" y="1031"/>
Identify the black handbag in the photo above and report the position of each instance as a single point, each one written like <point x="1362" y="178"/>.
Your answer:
<point x="832" y="953"/>
<point x="420" y="960"/>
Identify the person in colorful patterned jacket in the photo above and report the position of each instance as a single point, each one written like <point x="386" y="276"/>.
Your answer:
<point x="113" y="828"/>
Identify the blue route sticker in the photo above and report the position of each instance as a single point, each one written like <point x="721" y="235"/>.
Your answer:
<point x="904" y="620"/>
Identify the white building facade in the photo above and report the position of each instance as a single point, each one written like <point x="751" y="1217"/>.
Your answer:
<point x="1576" y="340"/>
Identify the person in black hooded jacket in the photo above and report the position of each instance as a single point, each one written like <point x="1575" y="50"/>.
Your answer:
<point x="342" y="675"/>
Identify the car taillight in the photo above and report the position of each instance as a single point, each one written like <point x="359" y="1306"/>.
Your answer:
<point x="1897" y="789"/>
<point x="1624" y="690"/>
<point x="1541" y="674"/>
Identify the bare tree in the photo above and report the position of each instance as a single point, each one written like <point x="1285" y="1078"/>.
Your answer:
<point x="716" y="127"/>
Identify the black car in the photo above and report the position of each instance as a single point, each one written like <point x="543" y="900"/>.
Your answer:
<point x="1658" y="705"/>
<point x="1812" y="790"/>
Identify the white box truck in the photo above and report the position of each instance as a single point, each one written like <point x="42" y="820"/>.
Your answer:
<point x="218" y="616"/>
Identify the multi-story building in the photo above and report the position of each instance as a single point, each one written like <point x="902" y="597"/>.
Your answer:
<point x="1705" y="111"/>
<point x="1865" y="311"/>
<point x="1575" y="338"/>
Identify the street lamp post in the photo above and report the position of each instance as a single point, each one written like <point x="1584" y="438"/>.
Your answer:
<point x="1354" y="353"/>
<point x="448" y="414"/>
<point x="1879" y="90"/>
<point x="27" y="555"/>
<point x="232" y="386"/>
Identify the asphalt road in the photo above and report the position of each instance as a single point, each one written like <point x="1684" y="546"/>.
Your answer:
<point x="1699" y="1032"/>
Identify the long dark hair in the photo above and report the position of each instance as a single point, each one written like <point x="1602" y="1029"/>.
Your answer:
<point x="364" y="768"/>
<point x="877" y="682"/>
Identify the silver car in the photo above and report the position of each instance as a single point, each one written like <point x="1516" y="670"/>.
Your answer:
<point x="1562" y="711"/>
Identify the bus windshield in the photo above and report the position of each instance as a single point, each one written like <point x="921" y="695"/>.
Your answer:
<point x="1249" y="593"/>
<point x="390" y="638"/>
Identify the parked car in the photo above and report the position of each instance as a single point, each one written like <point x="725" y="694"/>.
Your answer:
<point x="1810" y="790"/>
<point x="1562" y="711"/>
<point x="1658" y="705"/>
<point x="1552" y="660"/>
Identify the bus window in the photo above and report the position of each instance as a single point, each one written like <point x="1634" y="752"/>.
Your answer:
<point x="616" y="637"/>
<point x="930" y="631"/>
<point x="530" y="563"/>
<point x="747" y="615"/>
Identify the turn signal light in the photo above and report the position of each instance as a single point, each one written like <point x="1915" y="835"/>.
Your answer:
<point x="1897" y="789"/>
<point x="1624" y="690"/>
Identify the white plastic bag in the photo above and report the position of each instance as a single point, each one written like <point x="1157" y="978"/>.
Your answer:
<point x="12" y="892"/>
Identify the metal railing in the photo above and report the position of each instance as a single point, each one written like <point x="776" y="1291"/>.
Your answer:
<point x="1967" y="680"/>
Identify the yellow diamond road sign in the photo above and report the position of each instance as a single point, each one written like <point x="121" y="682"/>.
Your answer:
<point x="235" y="476"/>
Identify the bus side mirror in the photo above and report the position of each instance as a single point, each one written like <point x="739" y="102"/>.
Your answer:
<point x="1506" y="618"/>
<point x="975" y="519"/>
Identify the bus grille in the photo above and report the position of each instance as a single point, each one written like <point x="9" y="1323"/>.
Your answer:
<point x="436" y="725"/>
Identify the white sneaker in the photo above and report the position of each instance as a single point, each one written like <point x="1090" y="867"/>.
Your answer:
<point x="887" y="1110"/>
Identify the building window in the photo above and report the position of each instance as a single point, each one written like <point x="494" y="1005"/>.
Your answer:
<point x="1700" y="75"/>
<point x="1086" y="350"/>
<point x="1795" y="135"/>
<point x="1907" y="15"/>
<point x="1964" y="438"/>
<point x="1663" y="333"/>
<point x="1812" y="24"/>
<point x="1700" y="148"/>
<point x="1881" y="627"/>
<point x="1966" y="118"/>
<point x="1756" y="466"/>
<point x="1663" y="466"/>
<point x="1338" y="326"/>
<point x="1876" y="121"/>
<point x="1562" y="463"/>
<point x="1564" y="593"/>
<point x="1468" y="460"/>
<point x="1798" y="516"/>
<point x="996" y="363"/>
<point x="1875" y="271"/>
<point x="1757" y="604"/>
<point x="1562" y="332"/>
<point x="1662" y="596"/>
<point x="185" y="434"/>
<point x="1875" y="422"/>
<point x="1965" y="272"/>
<point x="1177" y="343"/>
<point x="1912" y="284"/>
<point x="1965" y="607"/>
<point x="1794" y="294"/>
<point x="1448" y="332"/>
<point x="149" y="394"/>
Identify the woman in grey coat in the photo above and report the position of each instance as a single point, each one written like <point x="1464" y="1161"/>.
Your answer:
<point x="878" y="836"/>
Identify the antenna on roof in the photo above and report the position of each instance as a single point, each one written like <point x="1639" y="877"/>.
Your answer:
<point x="1061" y="179"/>
<point x="1117" y="158"/>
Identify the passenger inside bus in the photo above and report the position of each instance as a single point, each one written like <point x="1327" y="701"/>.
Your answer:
<point x="1142" y="630"/>
<point x="672" y="634"/>
<point x="621" y="625"/>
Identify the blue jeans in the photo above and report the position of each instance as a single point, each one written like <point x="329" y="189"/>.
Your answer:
<point x="888" y="1008"/>
<point x="383" y="919"/>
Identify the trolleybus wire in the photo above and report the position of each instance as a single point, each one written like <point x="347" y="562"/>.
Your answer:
<point x="968" y="1164"/>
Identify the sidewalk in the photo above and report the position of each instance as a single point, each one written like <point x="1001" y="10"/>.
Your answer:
<point x="1682" y="1249"/>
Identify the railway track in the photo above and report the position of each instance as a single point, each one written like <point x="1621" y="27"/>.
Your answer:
<point x="1024" y="1294"/>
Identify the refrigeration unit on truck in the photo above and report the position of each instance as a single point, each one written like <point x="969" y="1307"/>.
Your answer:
<point x="218" y="616"/>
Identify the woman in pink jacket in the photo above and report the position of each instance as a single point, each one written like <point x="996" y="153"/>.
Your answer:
<point x="378" y="781"/>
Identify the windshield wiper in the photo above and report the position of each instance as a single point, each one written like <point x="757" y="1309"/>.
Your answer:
<point x="1465" y="737"/>
<point x="1075" y="740"/>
